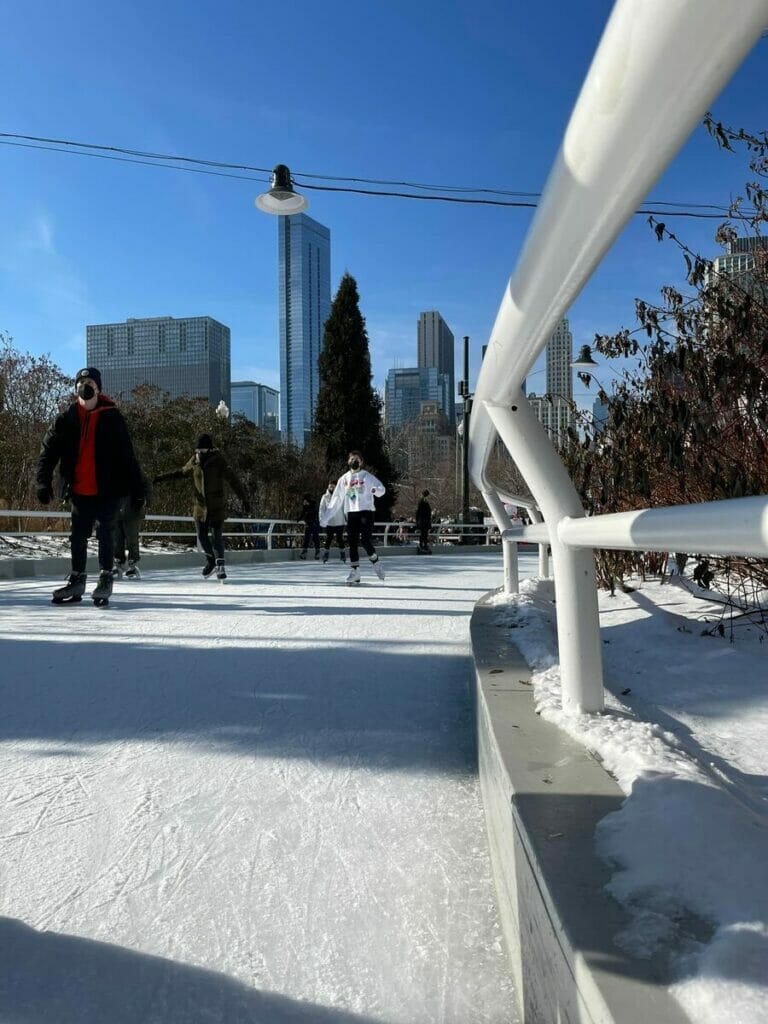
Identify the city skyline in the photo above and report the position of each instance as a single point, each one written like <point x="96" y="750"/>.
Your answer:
<point x="85" y="241"/>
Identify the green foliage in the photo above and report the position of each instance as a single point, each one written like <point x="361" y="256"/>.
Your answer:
<point x="348" y="411"/>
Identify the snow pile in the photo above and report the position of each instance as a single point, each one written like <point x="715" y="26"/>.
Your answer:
<point x="686" y="743"/>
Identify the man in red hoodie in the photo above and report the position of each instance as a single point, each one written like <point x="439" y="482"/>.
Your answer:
<point x="92" y="448"/>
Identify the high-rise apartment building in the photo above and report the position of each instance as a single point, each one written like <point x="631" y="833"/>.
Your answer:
<point x="184" y="356"/>
<point x="258" y="403"/>
<point x="435" y="348"/>
<point x="406" y="388"/>
<point x="304" y="286"/>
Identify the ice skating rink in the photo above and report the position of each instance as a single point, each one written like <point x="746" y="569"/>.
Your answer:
<point x="246" y="802"/>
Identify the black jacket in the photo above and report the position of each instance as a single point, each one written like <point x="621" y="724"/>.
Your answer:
<point x="310" y="513"/>
<point x="424" y="514"/>
<point x="117" y="471"/>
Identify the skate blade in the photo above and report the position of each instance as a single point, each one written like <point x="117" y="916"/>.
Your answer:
<point x="66" y="600"/>
<point x="101" y="602"/>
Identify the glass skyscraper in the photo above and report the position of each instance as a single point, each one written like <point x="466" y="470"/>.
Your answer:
<point x="185" y="357"/>
<point x="407" y="388"/>
<point x="435" y="348"/>
<point x="304" y="276"/>
<point x="258" y="403"/>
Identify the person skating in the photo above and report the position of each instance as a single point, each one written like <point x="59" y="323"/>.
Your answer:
<point x="354" y="493"/>
<point x="308" y="514"/>
<point x="424" y="523"/>
<point x="335" y="525"/>
<point x="210" y="475"/>
<point x="90" y="444"/>
<point x="129" y="515"/>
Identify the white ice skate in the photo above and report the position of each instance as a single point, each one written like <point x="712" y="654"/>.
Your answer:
<point x="354" y="576"/>
<point x="378" y="568"/>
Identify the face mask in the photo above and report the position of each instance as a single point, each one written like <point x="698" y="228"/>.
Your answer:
<point x="85" y="391"/>
<point x="354" y="463"/>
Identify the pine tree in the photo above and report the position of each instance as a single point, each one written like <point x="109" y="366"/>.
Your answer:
<point x="348" y="414"/>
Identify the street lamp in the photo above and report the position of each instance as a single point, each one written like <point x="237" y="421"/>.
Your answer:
<point x="464" y="393"/>
<point x="281" y="199"/>
<point x="584" y="360"/>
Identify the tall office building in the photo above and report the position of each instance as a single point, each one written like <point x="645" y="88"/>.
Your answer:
<point x="407" y="388"/>
<point x="559" y="359"/>
<point x="435" y="348"/>
<point x="304" y="285"/>
<point x="739" y="261"/>
<point x="258" y="403"/>
<point x="186" y="356"/>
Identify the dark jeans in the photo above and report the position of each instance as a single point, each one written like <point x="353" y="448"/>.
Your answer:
<point x="330" y="533"/>
<point x="359" y="530"/>
<point x="86" y="511"/>
<point x="125" y="532"/>
<point x="311" y="536"/>
<point x="209" y="536"/>
<point x="424" y="536"/>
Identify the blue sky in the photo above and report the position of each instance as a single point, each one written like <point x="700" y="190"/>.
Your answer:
<point x="437" y="92"/>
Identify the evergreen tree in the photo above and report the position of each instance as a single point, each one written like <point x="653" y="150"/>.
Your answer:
<point x="348" y="411"/>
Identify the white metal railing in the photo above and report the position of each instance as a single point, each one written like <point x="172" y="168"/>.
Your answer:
<point x="275" y="533"/>
<point x="648" y="86"/>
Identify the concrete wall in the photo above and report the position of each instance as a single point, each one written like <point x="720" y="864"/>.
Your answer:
<point x="543" y="795"/>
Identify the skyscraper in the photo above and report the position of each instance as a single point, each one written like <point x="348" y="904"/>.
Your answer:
<point x="186" y="356"/>
<point x="258" y="403"/>
<point x="739" y="263"/>
<point x="304" y="285"/>
<point x="435" y="348"/>
<point x="559" y="359"/>
<point x="406" y="389"/>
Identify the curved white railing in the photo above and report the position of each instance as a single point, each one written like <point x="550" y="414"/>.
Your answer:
<point x="659" y="65"/>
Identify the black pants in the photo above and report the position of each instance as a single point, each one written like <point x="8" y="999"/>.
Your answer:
<point x="125" y="532"/>
<point x="311" y="536"/>
<point x="209" y="536"/>
<point x="86" y="511"/>
<point x="330" y="533"/>
<point x="424" y="535"/>
<point x="359" y="530"/>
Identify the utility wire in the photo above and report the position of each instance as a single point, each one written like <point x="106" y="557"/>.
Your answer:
<point x="182" y="163"/>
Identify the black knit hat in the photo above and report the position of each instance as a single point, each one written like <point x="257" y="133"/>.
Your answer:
<point x="204" y="441"/>
<point x="88" y="372"/>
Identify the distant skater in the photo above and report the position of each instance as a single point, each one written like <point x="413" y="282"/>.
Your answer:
<point x="354" y="494"/>
<point x="308" y="514"/>
<point x="424" y="523"/>
<point x="335" y="527"/>
<point x="210" y="474"/>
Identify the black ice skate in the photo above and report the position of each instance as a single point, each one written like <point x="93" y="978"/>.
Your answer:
<point x="103" y="590"/>
<point x="132" y="572"/>
<point x="210" y="565"/>
<point x="221" y="573"/>
<point x="72" y="591"/>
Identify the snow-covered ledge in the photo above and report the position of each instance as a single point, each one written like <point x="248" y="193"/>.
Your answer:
<point x="543" y="795"/>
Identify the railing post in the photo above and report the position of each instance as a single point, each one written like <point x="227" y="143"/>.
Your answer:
<point x="578" y="624"/>
<point x="511" y="572"/>
<point x="543" y="547"/>
<point x="269" y="535"/>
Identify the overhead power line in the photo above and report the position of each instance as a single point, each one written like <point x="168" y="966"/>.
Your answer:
<point x="420" y="190"/>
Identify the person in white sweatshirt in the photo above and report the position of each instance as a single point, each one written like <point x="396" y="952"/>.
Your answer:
<point x="335" y="527"/>
<point x="354" y="493"/>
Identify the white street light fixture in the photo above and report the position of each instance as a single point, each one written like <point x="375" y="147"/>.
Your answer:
<point x="281" y="199"/>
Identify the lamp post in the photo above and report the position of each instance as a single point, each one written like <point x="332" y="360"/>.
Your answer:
<point x="465" y="414"/>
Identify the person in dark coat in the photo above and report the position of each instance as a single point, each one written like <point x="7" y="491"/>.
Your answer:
<point x="309" y="515"/>
<point x="129" y="516"/>
<point x="91" y="446"/>
<point x="424" y="523"/>
<point x="210" y="475"/>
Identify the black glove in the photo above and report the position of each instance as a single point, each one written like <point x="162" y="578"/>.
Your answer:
<point x="44" y="495"/>
<point x="137" y="504"/>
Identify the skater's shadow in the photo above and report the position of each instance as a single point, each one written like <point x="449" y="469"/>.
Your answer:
<point x="47" y="978"/>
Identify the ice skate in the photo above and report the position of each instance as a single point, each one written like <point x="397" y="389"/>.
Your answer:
<point x="317" y="556"/>
<point x="103" y="590"/>
<point x="209" y="566"/>
<point x="72" y="591"/>
<point x="221" y="573"/>
<point x="132" y="571"/>
<point x="343" y="554"/>
<point x="325" y="556"/>
<point x="303" y="556"/>
<point x="378" y="568"/>
<point x="117" y="572"/>
<point x="354" y="576"/>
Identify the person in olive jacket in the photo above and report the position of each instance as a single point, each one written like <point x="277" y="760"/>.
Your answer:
<point x="90" y="444"/>
<point x="210" y="474"/>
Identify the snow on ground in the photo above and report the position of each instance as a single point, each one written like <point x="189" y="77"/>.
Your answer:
<point x="685" y="736"/>
<point x="254" y="802"/>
